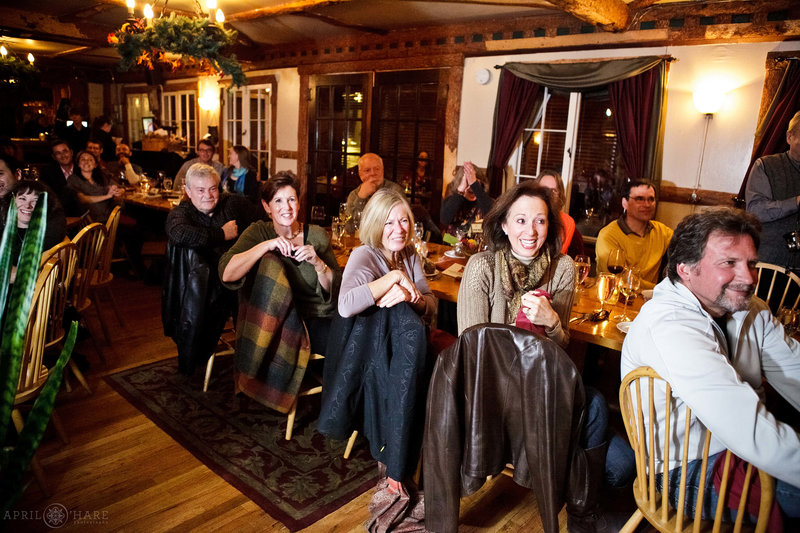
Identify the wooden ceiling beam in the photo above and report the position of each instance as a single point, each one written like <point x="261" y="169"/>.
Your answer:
<point x="286" y="8"/>
<point x="612" y="15"/>
<point x="334" y="22"/>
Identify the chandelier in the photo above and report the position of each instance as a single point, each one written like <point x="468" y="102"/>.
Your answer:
<point x="16" y="74"/>
<point x="178" y="41"/>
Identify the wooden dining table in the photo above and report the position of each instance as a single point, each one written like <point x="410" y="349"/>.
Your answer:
<point x="603" y="333"/>
<point x="150" y="201"/>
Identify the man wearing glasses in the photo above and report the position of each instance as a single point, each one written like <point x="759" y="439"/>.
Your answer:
<point x="205" y="155"/>
<point x="643" y="239"/>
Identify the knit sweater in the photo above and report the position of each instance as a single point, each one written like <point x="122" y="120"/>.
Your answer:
<point x="481" y="298"/>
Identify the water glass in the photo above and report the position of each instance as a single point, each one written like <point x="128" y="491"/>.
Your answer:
<point x="606" y="283"/>
<point x="628" y="283"/>
<point x="583" y="264"/>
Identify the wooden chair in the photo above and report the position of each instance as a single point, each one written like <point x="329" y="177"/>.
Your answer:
<point x="224" y="347"/>
<point x="775" y="285"/>
<point x="33" y="373"/>
<point x="653" y="506"/>
<point x="89" y="244"/>
<point x="66" y="255"/>
<point x="102" y="276"/>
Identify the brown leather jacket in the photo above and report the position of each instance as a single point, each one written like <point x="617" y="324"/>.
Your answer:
<point x="500" y="395"/>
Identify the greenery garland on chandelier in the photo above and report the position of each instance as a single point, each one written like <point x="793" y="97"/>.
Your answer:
<point x="17" y="74"/>
<point x="191" y="38"/>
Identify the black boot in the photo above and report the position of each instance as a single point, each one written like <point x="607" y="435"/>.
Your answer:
<point x="584" y="514"/>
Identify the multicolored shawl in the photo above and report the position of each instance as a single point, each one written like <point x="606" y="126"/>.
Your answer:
<point x="272" y="346"/>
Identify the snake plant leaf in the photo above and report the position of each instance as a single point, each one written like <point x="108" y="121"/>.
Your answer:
<point x="15" y="320"/>
<point x="31" y="435"/>
<point x="9" y="233"/>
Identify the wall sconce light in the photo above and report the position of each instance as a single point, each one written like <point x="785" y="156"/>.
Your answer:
<point x="708" y="99"/>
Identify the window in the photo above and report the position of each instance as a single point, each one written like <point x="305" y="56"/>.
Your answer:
<point x="248" y="119"/>
<point x="180" y="113"/>
<point x="573" y="134"/>
<point x="138" y="108"/>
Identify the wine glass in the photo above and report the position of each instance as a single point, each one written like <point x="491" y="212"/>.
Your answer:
<point x="605" y="288"/>
<point x="335" y="241"/>
<point x="628" y="283"/>
<point x="616" y="260"/>
<point x="419" y="230"/>
<point x="583" y="264"/>
<point x="318" y="214"/>
<point x="343" y="212"/>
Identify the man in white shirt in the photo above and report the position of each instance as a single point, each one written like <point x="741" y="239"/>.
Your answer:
<point x="714" y="342"/>
<point x="205" y="155"/>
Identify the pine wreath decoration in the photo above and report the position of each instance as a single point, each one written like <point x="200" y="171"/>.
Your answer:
<point x="177" y="40"/>
<point x="17" y="74"/>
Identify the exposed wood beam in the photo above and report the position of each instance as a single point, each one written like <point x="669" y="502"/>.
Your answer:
<point x="636" y="5"/>
<point x="609" y="14"/>
<point x="334" y="22"/>
<point x="533" y="4"/>
<point x="286" y="8"/>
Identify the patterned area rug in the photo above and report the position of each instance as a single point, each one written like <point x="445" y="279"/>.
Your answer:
<point x="297" y="482"/>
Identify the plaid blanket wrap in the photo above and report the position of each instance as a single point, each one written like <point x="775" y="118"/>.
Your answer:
<point x="272" y="346"/>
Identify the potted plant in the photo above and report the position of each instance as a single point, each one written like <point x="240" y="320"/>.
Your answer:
<point x="15" y="305"/>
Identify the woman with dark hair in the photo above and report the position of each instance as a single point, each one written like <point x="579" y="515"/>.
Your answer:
<point x="10" y="173"/>
<point x="524" y="271"/>
<point x="305" y="251"/>
<point x="92" y="188"/>
<point x="240" y="177"/>
<point x="466" y="200"/>
<point x="26" y="194"/>
<point x="571" y="238"/>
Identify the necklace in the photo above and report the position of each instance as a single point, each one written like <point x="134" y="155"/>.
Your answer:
<point x="292" y="236"/>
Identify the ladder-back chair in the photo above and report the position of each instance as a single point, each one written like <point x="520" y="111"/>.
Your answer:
<point x="777" y="286"/>
<point x="102" y="277"/>
<point x="636" y="400"/>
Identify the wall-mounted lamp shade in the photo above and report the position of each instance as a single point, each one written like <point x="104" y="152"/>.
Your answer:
<point x="708" y="99"/>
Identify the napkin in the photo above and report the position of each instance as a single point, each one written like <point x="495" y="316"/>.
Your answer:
<point x="522" y="320"/>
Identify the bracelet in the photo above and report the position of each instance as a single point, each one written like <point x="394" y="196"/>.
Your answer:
<point x="324" y="268"/>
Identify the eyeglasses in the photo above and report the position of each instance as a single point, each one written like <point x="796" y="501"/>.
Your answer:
<point x="643" y="199"/>
<point x="205" y="149"/>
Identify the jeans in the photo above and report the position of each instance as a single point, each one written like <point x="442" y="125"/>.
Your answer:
<point x="787" y="496"/>
<point x="620" y="461"/>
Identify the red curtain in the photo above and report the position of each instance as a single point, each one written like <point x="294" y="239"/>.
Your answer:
<point x="785" y="105"/>
<point x="632" y="107"/>
<point x="516" y="98"/>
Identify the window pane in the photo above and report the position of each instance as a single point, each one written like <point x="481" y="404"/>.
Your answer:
<point x="557" y="111"/>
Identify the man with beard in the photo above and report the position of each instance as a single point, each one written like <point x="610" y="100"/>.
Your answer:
<point x="707" y="335"/>
<point x="643" y="239"/>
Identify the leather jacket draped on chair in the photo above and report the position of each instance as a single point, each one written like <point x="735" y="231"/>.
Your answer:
<point x="501" y="395"/>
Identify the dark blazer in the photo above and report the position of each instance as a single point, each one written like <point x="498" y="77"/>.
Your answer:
<point x="500" y="395"/>
<point x="54" y="178"/>
<point x="376" y="380"/>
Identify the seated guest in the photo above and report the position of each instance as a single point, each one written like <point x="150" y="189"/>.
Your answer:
<point x="715" y="343"/>
<point x="56" y="175"/>
<point x="643" y="239"/>
<point x="26" y="194"/>
<point x="523" y="270"/>
<point x="571" y="238"/>
<point x="466" y="200"/>
<point x="305" y="252"/>
<point x="94" y="190"/>
<point x="205" y="155"/>
<point x="195" y="305"/>
<point x="241" y="177"/>
<point x="370" y="170"/>
<point x="382" y="363"/>
<point x="122" y="167"/>
<point x="10" y="173"/>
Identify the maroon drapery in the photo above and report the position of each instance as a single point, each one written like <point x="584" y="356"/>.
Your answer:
<point x="632" y="106"/>
<point x="786" y="104"/>
<point x="515" y="100"/>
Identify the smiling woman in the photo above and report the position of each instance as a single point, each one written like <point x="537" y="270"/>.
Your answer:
<point x="26" y="194"/>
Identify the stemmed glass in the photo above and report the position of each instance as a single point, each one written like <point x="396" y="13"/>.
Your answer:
<point x="628" y="283"/>
<point x="616" y="260"/>
<point x="583" y="264"/>
<point x="318" y="214"/>
<point x="343" y="212"/>
<point x="605" y="288"/>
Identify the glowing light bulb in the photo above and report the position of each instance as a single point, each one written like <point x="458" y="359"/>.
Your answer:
<point x="148" y="12"/>
<point x="220" y="16"/>
<point x="30" y="58"/>
<point x="3" y="51"/>
<point x="131" y="4"/>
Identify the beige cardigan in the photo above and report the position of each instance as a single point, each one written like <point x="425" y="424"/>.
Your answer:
<point x="481" y="299"/>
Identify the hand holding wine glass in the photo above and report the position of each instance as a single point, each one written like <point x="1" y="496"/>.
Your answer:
<point x="628" y="284"/>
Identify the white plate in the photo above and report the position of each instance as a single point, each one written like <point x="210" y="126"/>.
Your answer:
<point x="624" y="326"/>
<point x="452" y="254"/>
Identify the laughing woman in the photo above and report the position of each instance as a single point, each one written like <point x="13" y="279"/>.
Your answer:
<point x="305" y="251"/>
<point x="524" y="268"/>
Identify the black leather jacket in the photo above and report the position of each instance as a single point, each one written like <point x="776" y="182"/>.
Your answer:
<point x="500" y="395"/>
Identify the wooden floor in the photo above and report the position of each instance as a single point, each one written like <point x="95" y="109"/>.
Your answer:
<point x="121" y="472"/>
